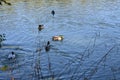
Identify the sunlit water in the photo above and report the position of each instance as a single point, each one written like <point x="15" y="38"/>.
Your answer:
<point x="90" y="49"/>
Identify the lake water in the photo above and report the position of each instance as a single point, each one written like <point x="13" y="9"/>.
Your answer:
<point x="90" y="49"/>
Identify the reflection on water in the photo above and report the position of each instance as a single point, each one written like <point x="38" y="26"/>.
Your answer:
<point x="91" y="45"/>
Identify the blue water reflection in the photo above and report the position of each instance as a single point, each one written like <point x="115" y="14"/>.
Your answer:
<point x="91" y="45"/>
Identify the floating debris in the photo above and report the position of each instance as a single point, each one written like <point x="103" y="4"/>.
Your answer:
<point x="4" y="68"/>
<point x="4" y="2"/>
<point x="2" y="38"/>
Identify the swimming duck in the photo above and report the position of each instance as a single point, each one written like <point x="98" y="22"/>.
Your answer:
<point x="53" y="12"/>
<point x="11" y="56"/>
<point x="47" y="47"/>
<point x="57" y="38"/>
<point x="40" y="27"/>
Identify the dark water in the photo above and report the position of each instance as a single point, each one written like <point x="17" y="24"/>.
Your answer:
<point x="90" y="49"/>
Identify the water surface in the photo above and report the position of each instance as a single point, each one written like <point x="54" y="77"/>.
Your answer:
<point x="91" y="45"/>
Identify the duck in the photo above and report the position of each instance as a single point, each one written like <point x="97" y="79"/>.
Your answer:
<point x="58" y="38"/>
<point x="11" y="56"/>
<point x="47" y="47"/>
<point x="53" y="12"/>
<point x="40" y="27"/>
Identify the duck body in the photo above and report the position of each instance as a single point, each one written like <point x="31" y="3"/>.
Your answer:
<point x="47" y="47"/>
<point x="40" y="27"/>
<point x="57" y="38"/>
<point x="53" y="12"/>
<point x="11" y="56"/>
